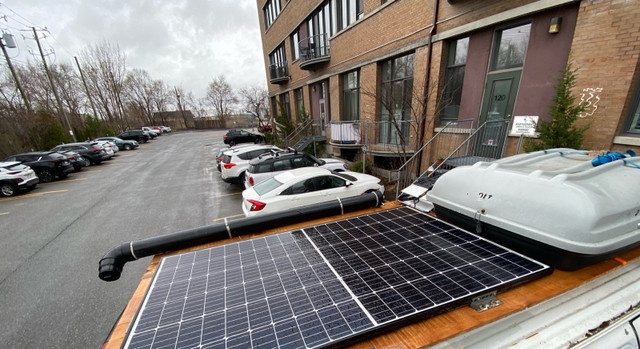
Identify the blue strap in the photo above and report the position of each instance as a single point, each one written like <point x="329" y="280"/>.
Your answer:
<point x="631" y="163"/>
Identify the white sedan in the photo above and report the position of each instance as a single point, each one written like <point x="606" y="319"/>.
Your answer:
<point x="305" y="186"/>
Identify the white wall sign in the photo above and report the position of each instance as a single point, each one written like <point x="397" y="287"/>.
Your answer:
<point x="524" y="125"/>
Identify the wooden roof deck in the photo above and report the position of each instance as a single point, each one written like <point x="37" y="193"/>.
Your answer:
<point x="423" y="333"/>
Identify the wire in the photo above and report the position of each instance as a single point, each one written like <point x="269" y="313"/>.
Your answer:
<point x="17" y="14"/>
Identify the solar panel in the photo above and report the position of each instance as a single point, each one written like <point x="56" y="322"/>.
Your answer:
<point x="323" y="285"/>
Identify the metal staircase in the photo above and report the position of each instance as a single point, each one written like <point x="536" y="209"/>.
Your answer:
<point x="304" y="135"/>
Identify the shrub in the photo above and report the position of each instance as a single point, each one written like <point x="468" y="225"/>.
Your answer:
<point x="561" y="131"/>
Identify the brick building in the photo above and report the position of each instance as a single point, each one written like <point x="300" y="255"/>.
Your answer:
<point x="383" y="77"/>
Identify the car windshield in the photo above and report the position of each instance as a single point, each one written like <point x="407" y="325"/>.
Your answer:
<point x="266" y="186"/>
<point x="345" y="176"/>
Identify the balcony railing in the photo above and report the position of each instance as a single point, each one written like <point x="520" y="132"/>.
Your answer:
<point x="346" y="133"/>
<point x="314" y="50"/>
<point x="278" y="74"/>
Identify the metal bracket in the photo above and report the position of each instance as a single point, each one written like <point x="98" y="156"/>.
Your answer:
<point x="485" y="302"/>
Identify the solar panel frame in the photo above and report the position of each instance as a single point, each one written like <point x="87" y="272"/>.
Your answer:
<point x="326" y="281"/>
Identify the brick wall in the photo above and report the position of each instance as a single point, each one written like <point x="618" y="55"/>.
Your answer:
<point x="606" y="49"/>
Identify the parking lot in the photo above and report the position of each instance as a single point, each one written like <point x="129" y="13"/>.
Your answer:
<point x="53" y="237"/>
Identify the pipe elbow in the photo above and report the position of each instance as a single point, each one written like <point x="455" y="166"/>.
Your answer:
<point x="111" y="264"/>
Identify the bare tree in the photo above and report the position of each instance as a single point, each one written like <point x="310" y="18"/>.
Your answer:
<point x="105" y="69"/>
<point x="221" y="97"/>
<point x="140" y="92"/>
<point x="256" y="100"/>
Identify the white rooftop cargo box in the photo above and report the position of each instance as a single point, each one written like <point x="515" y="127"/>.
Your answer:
<point x="552" y="205"/>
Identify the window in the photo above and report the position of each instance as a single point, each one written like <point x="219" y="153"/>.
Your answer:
<point x="295" y="41"/>
<point x="303" y="161"/>
<point x="329" y="182"/>
<point x="511" y="47"/>
<point x="278" y="57"/>
<point x="278" y="68"/>
<point x="282" y="165"/>
<point x="396" y="96"/>
<point x="634" y="112"/>
<point x="351" y="96"/>
<point x="299" y="102"/>
<point x="453" y="80"/>
<point x="271" y="10"/>
<point x="284" y="100"/>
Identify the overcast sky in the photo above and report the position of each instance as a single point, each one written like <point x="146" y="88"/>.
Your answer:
<point x="185" y="43"/>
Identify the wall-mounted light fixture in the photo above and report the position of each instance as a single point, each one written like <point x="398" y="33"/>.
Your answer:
<point x="554" y="26"/>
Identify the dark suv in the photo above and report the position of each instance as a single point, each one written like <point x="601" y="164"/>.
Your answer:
<point x="268" y="165"/>
<point x="242" y="136"/>
<point x="47" y="164"/>
<point x="134" y="135"/>
<point x="90" y="151"/>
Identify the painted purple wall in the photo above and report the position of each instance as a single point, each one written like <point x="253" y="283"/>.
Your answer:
<point x="475" y="73"/>
<point x="547" y="55"/>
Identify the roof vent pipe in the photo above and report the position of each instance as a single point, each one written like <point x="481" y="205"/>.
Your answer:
<point x="111" y="264"/>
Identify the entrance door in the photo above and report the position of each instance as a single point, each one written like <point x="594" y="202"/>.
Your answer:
<point x="497" y="107"/>
<point x="323" y="116"/>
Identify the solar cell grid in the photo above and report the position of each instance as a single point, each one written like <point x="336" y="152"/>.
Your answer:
<point x="320" y="285"/>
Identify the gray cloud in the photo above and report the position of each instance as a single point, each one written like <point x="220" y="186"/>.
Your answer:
<point x="185" y="43"/>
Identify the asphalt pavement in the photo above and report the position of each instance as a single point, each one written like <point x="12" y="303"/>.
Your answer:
<point x="52" y="238"/>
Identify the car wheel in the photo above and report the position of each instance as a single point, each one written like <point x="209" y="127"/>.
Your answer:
<point x="86" y="160"/>
<point x="258" y="140"/>
<point x="232" y="143"/>
<point x="45" y="176"/>
<point x="241" y="180"/>
<point x="7" y="189"/>
<point x="127" y="147"/>
<point x="63" y="175"/>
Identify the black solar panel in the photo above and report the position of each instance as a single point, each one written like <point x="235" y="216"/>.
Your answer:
<point x="323" y="285"/>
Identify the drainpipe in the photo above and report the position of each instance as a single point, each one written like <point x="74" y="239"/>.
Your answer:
<point x="425" y="93"/>
<point x="110" y="266"/>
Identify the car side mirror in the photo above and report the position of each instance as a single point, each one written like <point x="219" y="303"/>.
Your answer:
<point x="348" y="184"/>
<point x="322" y="163"/>
<point x="315" y="165"/>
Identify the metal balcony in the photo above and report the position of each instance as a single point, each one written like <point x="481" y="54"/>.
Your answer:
<point x="313" y="51"/>
<point x="278" y="74"/>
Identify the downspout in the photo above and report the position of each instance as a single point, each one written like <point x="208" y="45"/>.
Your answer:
<point x="110" y="266"/>
<point x="425" y="93"/>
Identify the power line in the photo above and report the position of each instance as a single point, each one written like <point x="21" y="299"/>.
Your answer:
<point x="17" y="14"/>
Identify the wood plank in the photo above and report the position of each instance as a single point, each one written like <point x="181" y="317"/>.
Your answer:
<point x="425" y="332"/>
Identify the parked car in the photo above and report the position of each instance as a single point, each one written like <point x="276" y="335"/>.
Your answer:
<point x="75" y="159"/>
<point x="268" y="165"/>
<point x="93" y="152"/>
<point x="219" y="156"/>
<point x="166" y="129"/>
<point x="134" y="135"/>
<point x="236" y="161"/>
<point x="15" y="176"/>
<point x="123" y="144"/>
<point x="108" y="145"/>
<point x="154" y="132"/>
<point x="265" y="128"/>
<point x="305" y="186"/>
<point x="236" y="136"/>
<point x="47" y="164"/>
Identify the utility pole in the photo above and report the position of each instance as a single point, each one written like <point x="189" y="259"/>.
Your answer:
<point x="84" y="82"/>
<point x="53" y="86"/>
<point x="15" y="76"/>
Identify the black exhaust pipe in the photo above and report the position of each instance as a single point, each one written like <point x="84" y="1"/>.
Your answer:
<point x="110" y="266"/>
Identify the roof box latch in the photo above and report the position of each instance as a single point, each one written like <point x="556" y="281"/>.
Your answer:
<point x="485" y="302"/>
